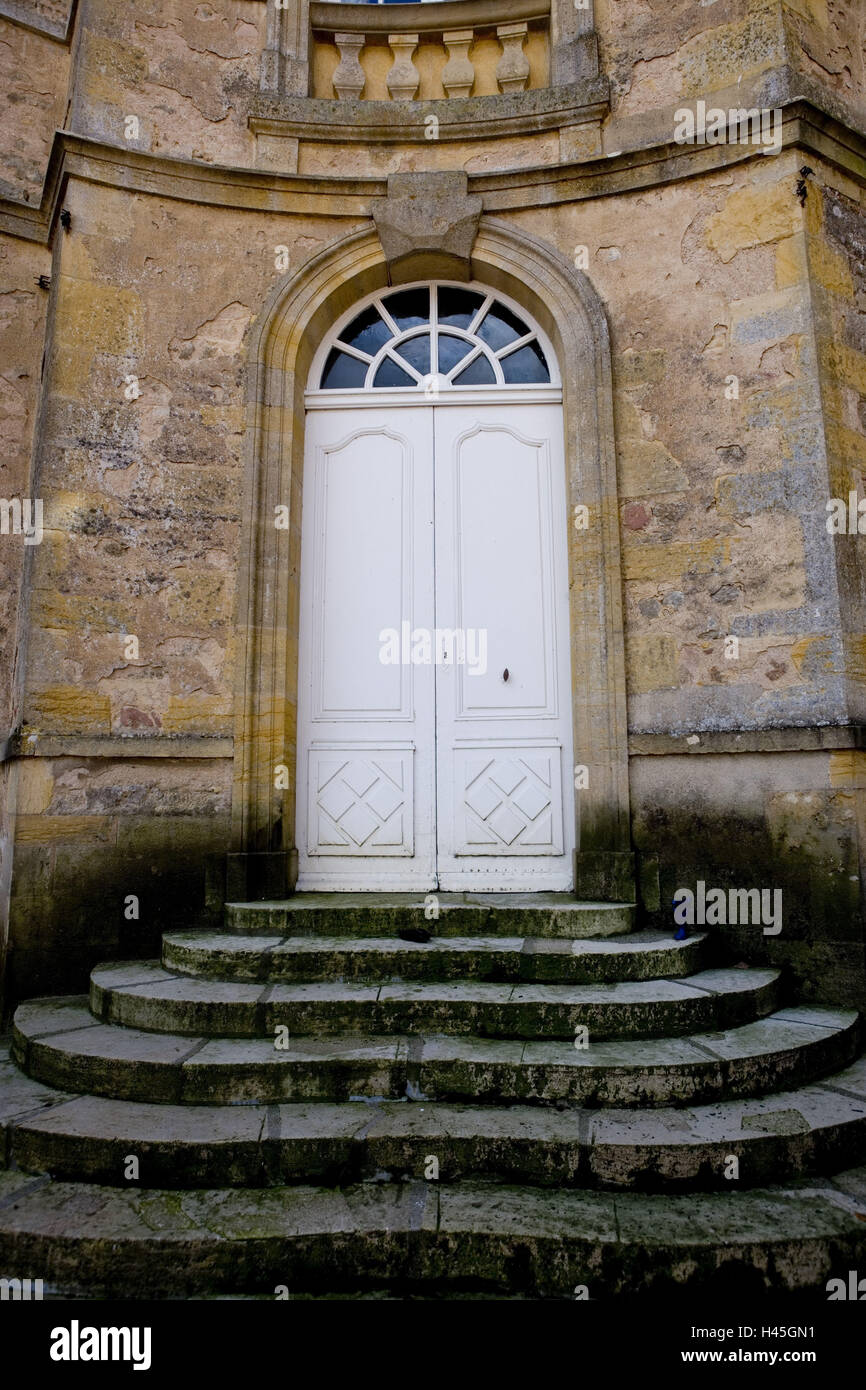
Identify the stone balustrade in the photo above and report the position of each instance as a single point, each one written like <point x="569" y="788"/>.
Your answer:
<point x="429" y="52"/>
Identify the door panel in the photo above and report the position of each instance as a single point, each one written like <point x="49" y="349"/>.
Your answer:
<point x="366" y="724"/>
<point x="451" y="520"/>
<point x="503" y="744"/>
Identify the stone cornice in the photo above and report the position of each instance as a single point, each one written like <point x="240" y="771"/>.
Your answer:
<point x="459" y="118"/>
<point x="449" y="14"/>
<point x="25" y="18"/>
<point x="806" y="127"/>
<point x="830" y="738"/>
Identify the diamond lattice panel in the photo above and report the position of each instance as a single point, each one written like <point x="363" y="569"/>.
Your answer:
<point x="508" y="801"/>
<point x="360" y="801"/>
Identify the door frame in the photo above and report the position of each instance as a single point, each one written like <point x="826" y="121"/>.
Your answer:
<point x="300" y="312"/>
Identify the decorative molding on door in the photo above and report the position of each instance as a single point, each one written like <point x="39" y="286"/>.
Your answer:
<point x="300" y="311"/>
<point x="468" y="706"/>
<point x="508" y="799"/>
<point x="398" y="677"/>
<point x="360" y="799"/>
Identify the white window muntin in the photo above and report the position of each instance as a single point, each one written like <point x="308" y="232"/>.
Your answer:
<point x="443" y="387"/>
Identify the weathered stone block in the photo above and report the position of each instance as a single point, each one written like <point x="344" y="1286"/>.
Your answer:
<point x="427" y="221"/>
<point x="651" y="662"/>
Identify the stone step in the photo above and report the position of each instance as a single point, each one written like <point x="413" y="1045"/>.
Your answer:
<point x="459" y="914"/>
<point x="60" y="1043"/>
<point x="530" y="959"/>
<point x="817" y="1128"/>
<point x="121" y="1243"/>
<point x="145" y="995"/>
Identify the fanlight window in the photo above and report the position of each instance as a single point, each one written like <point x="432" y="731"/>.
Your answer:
<point x="462" y="337"/>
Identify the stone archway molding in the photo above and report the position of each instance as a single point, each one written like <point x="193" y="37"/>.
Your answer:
<point x="300" y="310"/>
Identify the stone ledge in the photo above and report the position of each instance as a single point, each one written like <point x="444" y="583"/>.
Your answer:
<point x="460" y="118"/>
<point x="807" y="128"/>
<point x="831" y="738"/>
<point x="49" y="745"/>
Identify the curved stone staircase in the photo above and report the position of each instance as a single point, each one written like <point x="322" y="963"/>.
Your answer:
<point x="429" y="1127"/>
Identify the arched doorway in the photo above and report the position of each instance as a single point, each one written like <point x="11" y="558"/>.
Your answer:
<point x="301" y="312"/>
<point x="434" y="665"/>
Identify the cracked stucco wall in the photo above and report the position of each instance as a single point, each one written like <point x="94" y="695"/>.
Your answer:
<point x="34" y="74"/>
<point x="186" y="71"/>
<point x="721" y="461"/>
<point x="662" y="54"/>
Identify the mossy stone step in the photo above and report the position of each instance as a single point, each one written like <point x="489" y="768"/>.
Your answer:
<point x="817" y="1128"/>
<point x="116" y="1243"/>
<point x="60" y="1043"/>
<point x="147" y="996"/>
<point x="531" y="959"/>
<point x="457" y="914"/>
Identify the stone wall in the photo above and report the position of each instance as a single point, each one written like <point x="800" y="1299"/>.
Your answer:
<point x="734" y="293"/>
<point x="23" y="310"/>
<point x="34" y="73"/>
<point x="109" y="852"/>
<point x="142" y="496"/>
<point x="187" y="73"/>
<point x="837" y="270"/>
<point x="789" y="817"/>
<point x="660" y="54"/>
<point x="721" y="463"/>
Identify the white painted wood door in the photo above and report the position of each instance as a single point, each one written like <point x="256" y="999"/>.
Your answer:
<point x="366" y="729"/>
<point x="503" y="740"/>
<point x="448" y="520"/>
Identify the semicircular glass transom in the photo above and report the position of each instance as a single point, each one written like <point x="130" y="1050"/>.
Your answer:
<point x="449" y="334"/>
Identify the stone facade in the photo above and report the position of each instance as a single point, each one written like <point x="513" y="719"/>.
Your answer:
<point x="207" y="166"/>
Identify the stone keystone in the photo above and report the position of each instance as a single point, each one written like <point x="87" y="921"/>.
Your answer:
<point x="427" y="225"/>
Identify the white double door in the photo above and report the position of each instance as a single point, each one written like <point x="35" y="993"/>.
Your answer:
<point x="434" y="707"/>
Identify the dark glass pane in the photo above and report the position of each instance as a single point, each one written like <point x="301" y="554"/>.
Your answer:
<point x="458" y="307"/>
<point x="526" y="366"/>
<point x="417" y="353"/>
<point x="409" y="308"/>
<point x="367" y="332"/>
<point x="342" y="372"/>
<point x="389" y="374"/>
<point x="451" y="351"/>
<point x="500" y="327"/>
<point x="478" y="373"/>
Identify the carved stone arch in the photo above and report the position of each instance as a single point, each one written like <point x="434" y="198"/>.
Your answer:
<point x="299" y="312"/>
